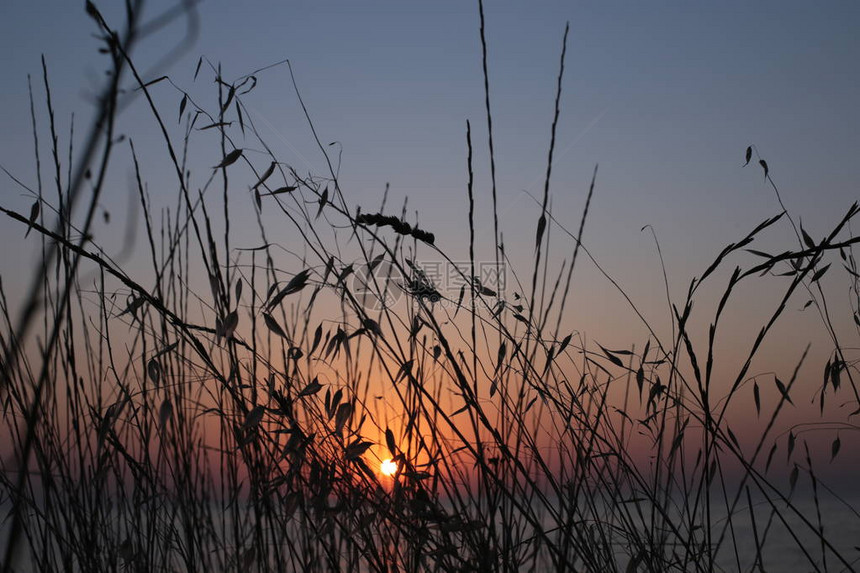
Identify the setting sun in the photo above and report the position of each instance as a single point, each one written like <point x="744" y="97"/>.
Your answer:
<point x="388" y="467"/>
<point x="239" y="334"/>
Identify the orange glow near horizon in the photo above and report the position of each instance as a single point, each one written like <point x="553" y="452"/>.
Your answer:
<point x="388" y="467"/>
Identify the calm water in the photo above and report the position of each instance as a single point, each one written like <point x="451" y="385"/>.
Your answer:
<point x="781" y="551"/>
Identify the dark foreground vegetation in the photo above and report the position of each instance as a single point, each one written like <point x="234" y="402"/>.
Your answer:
<point x="226" y="407"/>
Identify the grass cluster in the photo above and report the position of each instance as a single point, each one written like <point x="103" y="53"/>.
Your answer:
<point x="159" y="422"/>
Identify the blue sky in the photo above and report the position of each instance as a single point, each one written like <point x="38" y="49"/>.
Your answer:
<point x="665" y="96"/>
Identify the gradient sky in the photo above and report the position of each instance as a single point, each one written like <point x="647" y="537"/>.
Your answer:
<point x="665" y="96"/>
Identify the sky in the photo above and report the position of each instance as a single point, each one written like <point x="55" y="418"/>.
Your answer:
<point x="664" y="96"/>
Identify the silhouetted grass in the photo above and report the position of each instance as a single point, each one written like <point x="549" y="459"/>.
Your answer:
<point x="226" y="408"/>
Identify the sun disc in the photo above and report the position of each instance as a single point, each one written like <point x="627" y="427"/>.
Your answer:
<point x="388" y="467"/>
